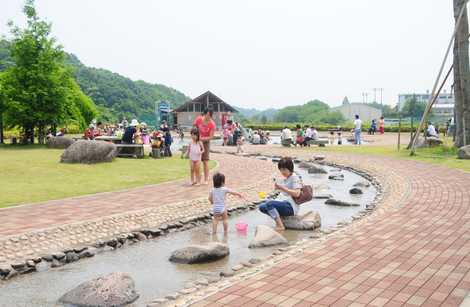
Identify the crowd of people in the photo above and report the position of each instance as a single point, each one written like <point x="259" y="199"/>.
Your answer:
<point x="303" y="136"/>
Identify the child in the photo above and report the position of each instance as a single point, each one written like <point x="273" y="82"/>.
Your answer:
<point x="217" y="199"/>
<point x="195" y="150"/>
<point x="239" y="144"/>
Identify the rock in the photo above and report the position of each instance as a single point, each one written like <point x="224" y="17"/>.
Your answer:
<point x="319" y="157"/>
<point x="254" y="260"/>
<point x="60" y="142"/>
<point x="237" y="267"/>
<point x="140" y="236"/>
<point x="19" y="266"/>
<point x="58" y="255"/>
<point x="464" y="152"/>
<point x="89" y="152"/>
<point x="116" y="289"/>
<point x="305" y="165"/>
<point x="172" y="296"/>
<point x="322" y="196"/>
<point x="202" y="282"/>
<point x="87" y="253"/>
<point x="71" y="257"/>
<point x="48" y="258"/>
<point x="157" y="302"/>
<point x="308" y="221"/>
<point x="429" y="142"/>
<point x="355" y="191"/>
<point x="227" y="273"/>
<point x="200" y="253"/>
<point x="362" y="184"/>
<point x="5" y="270"/>
<point x="336" y="177"/>
<point x="56" y="263"/>
<point x="12" y="274"/>
<point x="188" y="291"/>
<point x="336" y="202"/>
<point x="316" y="170"/>
<point x="266" y="236"/>
<point x="42" y="266"/>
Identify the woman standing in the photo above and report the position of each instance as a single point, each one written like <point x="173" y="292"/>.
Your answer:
<point x="381" y="125"/>
<point x="206" y="127"/>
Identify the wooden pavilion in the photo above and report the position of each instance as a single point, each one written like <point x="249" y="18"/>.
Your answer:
<point x="184" y="115"/>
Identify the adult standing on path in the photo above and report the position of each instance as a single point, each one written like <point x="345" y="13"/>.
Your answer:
<point x="206" y="127"/>
<point x="357" y="130"/>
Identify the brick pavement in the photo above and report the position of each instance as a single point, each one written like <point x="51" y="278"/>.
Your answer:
<point x="21" y="219"/>
<point x="413" y="251"/>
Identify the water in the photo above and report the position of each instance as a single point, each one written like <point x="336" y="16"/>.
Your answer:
<point x="147" y="262"/>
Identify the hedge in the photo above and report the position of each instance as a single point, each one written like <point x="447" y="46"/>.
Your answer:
<point x="292" y="126"/>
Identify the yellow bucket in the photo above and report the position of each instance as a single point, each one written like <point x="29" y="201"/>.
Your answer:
<point x="262" y="195"/>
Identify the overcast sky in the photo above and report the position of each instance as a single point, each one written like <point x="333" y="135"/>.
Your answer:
<point x="257" y="53"/>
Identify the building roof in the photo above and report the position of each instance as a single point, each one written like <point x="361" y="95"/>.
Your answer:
<point x="208" y="98"/>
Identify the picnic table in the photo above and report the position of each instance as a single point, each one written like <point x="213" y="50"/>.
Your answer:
<point x="130" y="150"/>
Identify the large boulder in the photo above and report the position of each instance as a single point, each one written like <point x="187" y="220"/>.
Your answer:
<point x="429" y="142"/>
<point x="308" y="221"/>
<point x="266" y="236"/>
<point x="317" y="170"/>
<point x="59" y="142"/>
<point x="336" y="202"/>
<point x="116" y="289"/>
<point x="89" y="152"/>
<point x="200" y="253"/>
<point x="464" y="152"/>
<point x="306" y="165"/>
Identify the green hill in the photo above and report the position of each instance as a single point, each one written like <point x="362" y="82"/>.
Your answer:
<point x="115" y="95"/>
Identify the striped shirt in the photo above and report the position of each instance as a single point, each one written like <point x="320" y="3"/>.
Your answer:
<point x="218" y="199"/>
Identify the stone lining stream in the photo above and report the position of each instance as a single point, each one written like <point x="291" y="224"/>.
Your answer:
<point x="147" y="261"/>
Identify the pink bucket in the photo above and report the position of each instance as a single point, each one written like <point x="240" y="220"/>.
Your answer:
<point x="241" y="226"/>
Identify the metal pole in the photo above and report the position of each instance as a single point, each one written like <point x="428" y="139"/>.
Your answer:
<point x="399" y="132"/>
<point x="433" y="93"/>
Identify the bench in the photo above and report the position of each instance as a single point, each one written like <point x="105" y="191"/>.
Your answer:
<point x="130" y="150"/>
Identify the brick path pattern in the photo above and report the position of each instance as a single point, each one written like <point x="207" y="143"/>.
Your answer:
<point x="413" y="251"/>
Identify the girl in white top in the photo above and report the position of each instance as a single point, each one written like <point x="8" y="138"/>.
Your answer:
<point x="195" y="150"/>
<point x="217" y="199"/>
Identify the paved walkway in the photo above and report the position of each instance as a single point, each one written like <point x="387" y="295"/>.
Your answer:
<point x="22" y="219"/>
<point x="413" y="251"/>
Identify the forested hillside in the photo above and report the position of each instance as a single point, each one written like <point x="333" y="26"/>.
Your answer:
<point x="114" y="95"/>
<point x="315" y="111"/>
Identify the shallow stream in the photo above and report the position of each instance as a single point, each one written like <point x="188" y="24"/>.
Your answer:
<point x="147" y="261"/>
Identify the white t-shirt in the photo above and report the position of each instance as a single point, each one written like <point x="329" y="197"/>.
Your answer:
<point x="293" y="182"/>
<point x="315" y="134"/>
<point x="308" y="133"/>
<point x="286" y="134"/>
<point x="357" y="124"/>
<point x="432" y="130"/>
<point x="218" y="199"/>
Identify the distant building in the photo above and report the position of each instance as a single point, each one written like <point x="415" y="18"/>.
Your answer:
<point x="365" y="111"/>
<point x="443" y="107"/>
<point x="185" y="115"/>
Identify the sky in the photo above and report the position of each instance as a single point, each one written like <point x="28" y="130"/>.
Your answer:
<point x="257" y="53"/>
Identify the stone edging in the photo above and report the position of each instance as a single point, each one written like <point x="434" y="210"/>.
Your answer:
<point x="204" y="288"/>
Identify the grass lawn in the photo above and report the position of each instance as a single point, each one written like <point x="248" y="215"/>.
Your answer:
<point x="33" y="173"/>
<point x="445" y="155"/>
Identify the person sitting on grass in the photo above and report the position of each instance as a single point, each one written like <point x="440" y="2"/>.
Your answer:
<point x="217" y="199"/>
<point x="290" y="187"/>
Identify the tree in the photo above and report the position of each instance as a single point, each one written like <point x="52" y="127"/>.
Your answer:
<point x="264" y="119"/>
<point x="414" y="108"/>
<point x="39" y="87"/>
<point x="2" y="109"/>
<point x="461" y="77"/>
